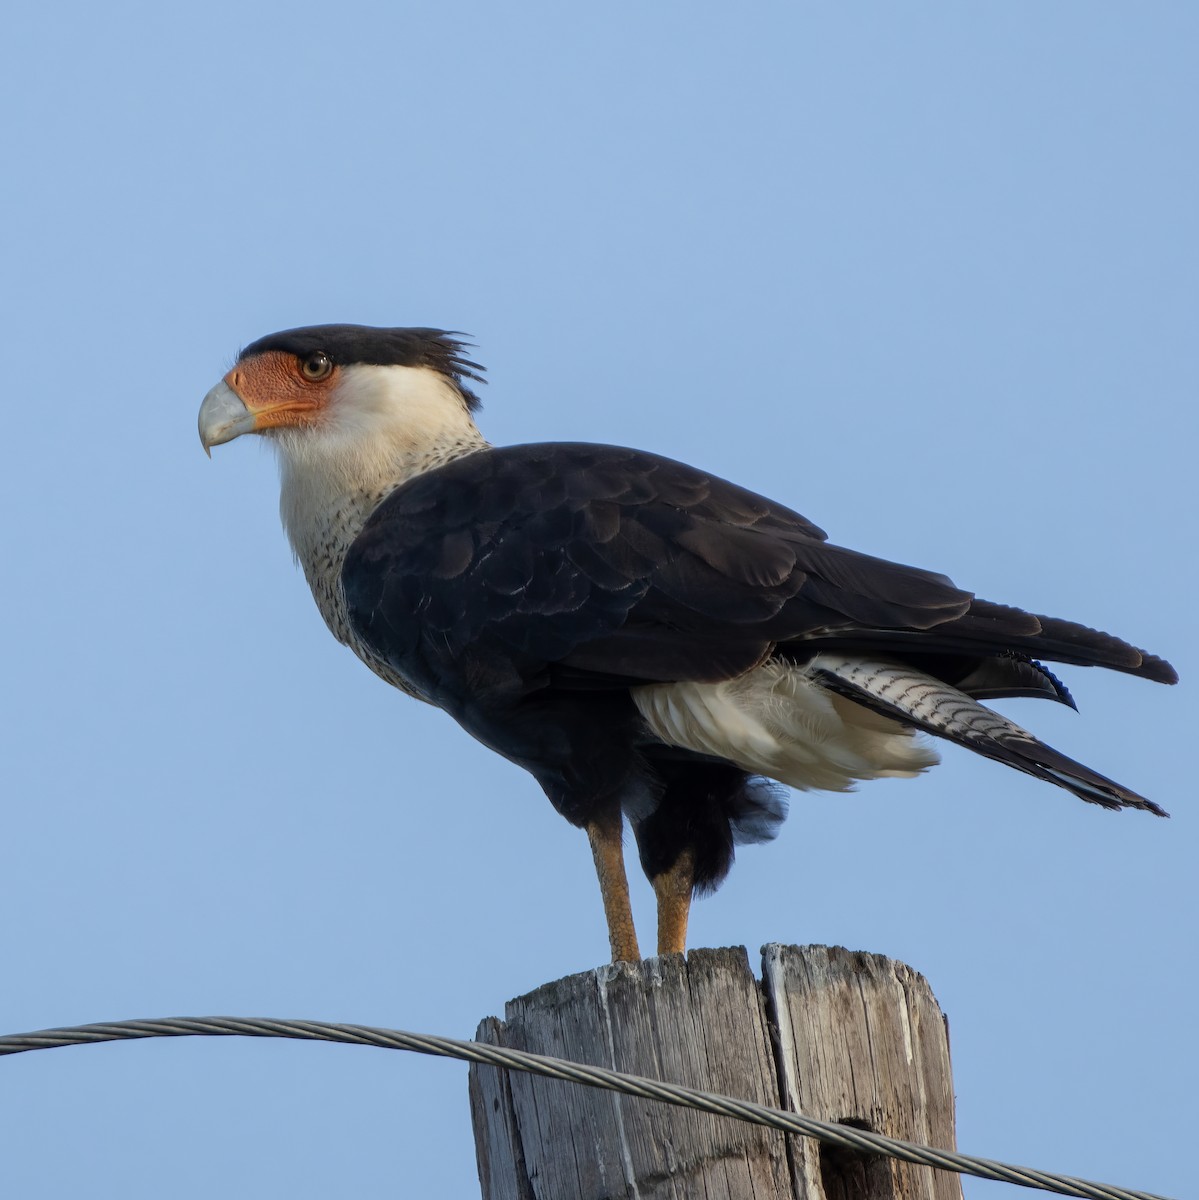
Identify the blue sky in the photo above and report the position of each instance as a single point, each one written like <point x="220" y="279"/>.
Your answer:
<point x="925" y="272"/>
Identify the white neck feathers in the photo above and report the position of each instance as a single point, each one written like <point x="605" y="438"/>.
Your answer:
<point x="382" y="426"/>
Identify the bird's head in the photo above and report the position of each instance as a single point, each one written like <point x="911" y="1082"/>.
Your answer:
<point x="329" y="389"/>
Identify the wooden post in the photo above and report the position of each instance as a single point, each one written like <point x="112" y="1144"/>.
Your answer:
<point x="861" y="1040"/>
<point x="841" y="1036"/>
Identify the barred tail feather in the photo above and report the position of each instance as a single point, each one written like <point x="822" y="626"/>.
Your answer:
<point x="900" y="692"/>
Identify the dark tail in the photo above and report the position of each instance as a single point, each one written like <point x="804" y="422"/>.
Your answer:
<point x="899" y="691"/>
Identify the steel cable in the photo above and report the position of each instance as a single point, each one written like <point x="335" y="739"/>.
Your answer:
<point x="553" y="1068"/>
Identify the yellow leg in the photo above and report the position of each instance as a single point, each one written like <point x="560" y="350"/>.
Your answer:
<point x="673" y="889"/>
<point x="604" y="834"/>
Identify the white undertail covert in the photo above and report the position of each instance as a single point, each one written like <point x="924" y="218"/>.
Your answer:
<point x="778" y="721"/>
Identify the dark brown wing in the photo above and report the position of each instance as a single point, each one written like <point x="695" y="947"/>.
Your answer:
<point x="588" y="566"/>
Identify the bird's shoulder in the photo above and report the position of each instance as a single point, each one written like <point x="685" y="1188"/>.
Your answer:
<point x="535" y="484"/>
<point x="526" y="553"/>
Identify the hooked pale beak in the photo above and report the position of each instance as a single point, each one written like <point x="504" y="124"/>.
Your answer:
<point x="223" y="417"/>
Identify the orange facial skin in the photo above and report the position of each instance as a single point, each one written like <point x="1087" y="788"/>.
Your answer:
<point x="274" y="387"/>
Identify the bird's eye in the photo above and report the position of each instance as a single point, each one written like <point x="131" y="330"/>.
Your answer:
<point x="316" y="366"/>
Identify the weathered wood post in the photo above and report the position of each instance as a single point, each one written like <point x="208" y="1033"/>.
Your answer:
<point x="840" y="1036"/>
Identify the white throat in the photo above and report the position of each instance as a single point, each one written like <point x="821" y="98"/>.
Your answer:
<point x="382" y="427"/>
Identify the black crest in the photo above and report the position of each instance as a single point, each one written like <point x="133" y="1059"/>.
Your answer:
<point x="350" y="344"/>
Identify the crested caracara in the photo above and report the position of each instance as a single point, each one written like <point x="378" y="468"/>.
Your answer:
<point x="652" y="643"/>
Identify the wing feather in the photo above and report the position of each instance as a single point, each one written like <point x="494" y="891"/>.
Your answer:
<point x="604" y="566"/>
